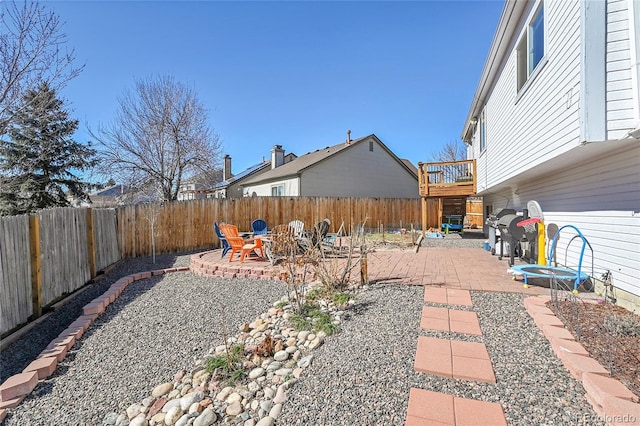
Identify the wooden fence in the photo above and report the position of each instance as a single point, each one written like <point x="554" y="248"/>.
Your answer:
<point x="188" y="225"/>
<point x="45" y="256"/>
<point x="15" y="272"/>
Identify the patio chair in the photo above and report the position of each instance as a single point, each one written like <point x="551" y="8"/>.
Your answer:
<point x="239" y="244"/>
<point x="259" y="227"/>
<point x="298" y="227"/>
<point x="223" y="241"/>
<point x="314" y="238"/>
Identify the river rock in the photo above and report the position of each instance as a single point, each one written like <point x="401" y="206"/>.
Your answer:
<point x="266" y="421"/>
<point x="269" y="393"/>
<point x="157" y="406"/>
<point x="139" y="421"/>
<point x="234" y="408"/>
<point x="256" y="372"/>
<point x="162" y="389"/>
<point x="183" y="421"/>
<point x="207" y="418"/>
<point x="224" y="393"/>
<point x="170" y="404"/>
<point x="173" y="415"/>
<point x="188" y="400"/>
<point x="281" y="395"/>
<point x="317" y="341"/>
<point x="233" y="397"/>
<point x="133" y="410"/>
<point x="281" y="356"/>
<point x="304" y="362"/>
<point x="275" y="411"/>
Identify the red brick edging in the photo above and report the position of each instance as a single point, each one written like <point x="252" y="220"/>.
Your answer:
<point x="16" y="388"/>
<point x="610" y="399"/>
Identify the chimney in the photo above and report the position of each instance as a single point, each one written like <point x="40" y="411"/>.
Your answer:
<point x="226" y="168"/>
<point x="348" y="142"/>
<point x="277" y="156"/>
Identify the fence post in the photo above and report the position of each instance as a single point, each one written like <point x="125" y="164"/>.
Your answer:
<point x="423" y="203"/>
<point x="364" y="274"/>
<point x="36" y="273"/>
<point x="91" y="244"/>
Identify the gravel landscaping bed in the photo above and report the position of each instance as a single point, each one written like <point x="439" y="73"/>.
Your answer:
<point x="157" y="327"/>
<point x="19" y="354"/>
<point x="360" y="376"/>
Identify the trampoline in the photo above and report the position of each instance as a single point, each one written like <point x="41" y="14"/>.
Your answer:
<point x="555" y="272"/>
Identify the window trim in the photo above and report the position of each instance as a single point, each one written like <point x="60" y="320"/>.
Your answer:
<point x="525" y="38"/>
<point x="277" y="188"/>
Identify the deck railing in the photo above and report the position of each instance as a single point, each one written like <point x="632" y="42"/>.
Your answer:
<point x="447" y="179"/>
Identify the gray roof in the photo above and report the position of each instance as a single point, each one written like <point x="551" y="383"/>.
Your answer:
<point x="243" y="174"/>
<point x="410" y="165"/>
<point x="307" y="160"/>
<point x="112" y="191"/>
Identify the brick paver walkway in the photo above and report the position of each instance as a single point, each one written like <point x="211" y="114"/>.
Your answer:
<point x="454" y="359"/>
<point x="453" y="268"/>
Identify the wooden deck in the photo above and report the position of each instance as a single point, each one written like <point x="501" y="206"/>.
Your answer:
<point x="447" y="179"/>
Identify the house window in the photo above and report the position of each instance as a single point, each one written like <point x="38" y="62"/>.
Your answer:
<point x="483" y="132"/>
<point x="371" y="146"/>
<point x="277" y="191"/>
<point x="530" y="49"/>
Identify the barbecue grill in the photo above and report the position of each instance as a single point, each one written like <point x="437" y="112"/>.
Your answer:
<point x="511" y="234"/>
<point x="494" y="233"/>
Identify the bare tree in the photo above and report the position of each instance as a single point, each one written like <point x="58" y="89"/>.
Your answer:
<point x="451" y="151"/>
<point x="160" y="136"/>
<point x="32" y="52"/>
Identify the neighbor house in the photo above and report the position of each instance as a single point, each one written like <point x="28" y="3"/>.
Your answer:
<point x="363" y="167"/>
<point x="231" y="186"/>
<point x="119" y="195"/>
<point x="108" y="197"/>
<point x="198" y="186"/>
<point x="556" y="119"/>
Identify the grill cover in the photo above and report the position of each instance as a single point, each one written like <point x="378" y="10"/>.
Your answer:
<point x="509" y="229"/>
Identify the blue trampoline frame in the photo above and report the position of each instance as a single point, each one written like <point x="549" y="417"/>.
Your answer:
<point x="555" y="271"/>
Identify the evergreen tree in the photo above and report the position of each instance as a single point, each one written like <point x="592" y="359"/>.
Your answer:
<point x="39" y="162"/>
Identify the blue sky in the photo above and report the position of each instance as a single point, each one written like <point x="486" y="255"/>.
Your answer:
<point x="296" y="74"/>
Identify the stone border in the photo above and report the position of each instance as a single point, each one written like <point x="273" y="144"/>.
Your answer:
<point x="16" y="388"/>
<point x="614" y="403"/>
<point x="238" y="270"/>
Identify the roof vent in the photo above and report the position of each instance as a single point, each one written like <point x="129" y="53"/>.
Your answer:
<point x="348" y="141"/>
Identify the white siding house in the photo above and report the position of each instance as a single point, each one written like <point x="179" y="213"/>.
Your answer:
<point x="362" y="167"/>
<point x="556" y="119"/>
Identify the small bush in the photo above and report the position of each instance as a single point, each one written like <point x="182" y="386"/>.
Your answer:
<point x="300" y="323"/>
<point x="312" y="318"/>
<point x="341" y="299"/>
<point x="227" y="366"/>
<point x="323" y="322"/>
<point x="314" y="294"/>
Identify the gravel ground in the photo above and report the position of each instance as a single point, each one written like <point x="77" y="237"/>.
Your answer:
<point x="360" y="376"/>
<point x="157" y="327"/>
<point x="371" y="362"/>
<point x="472" y="238"/>
<point x="18" y="355"/>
